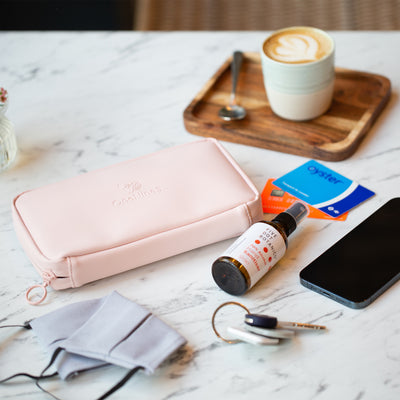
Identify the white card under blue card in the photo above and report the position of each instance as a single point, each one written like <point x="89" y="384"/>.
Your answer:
<point x="323" y="188"/>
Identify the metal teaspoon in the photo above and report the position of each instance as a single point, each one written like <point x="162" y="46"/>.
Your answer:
<point x="233" y="111"/>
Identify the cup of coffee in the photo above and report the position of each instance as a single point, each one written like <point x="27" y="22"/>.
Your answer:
<point x="299" y="72"/>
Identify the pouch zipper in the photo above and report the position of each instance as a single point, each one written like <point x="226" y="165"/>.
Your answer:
<point x="47" y="277"/>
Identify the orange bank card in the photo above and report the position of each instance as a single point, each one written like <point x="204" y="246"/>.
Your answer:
<point x="275" y="200"/>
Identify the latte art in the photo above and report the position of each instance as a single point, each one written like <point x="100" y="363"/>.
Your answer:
<point x="297" y="45"/>
<point x="295" y="48"/>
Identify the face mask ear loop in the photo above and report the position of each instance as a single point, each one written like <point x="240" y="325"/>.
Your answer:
<point x="44" y="390"/>
<point x="120" y="383"/>
<point x="53" y="358"/>
<point x="42" y="376"/>
<point x="26" y="325"/>
<point x="117" y="386"/>
<point x="28" y="376"/>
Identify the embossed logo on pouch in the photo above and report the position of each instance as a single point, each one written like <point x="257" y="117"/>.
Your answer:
<point x="134" y="191"/>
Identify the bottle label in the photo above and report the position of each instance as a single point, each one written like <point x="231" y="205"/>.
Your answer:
<point x="258" y="250"/>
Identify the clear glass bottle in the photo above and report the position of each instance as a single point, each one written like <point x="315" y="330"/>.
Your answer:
<point x="8" y="142"/>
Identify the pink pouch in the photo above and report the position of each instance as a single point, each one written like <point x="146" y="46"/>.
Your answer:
<point x="133" y="213"/>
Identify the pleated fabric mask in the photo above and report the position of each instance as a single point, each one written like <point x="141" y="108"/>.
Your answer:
<point x="109" y="330"/>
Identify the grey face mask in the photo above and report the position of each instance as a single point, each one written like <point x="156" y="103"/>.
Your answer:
<point x="109" y="330"/>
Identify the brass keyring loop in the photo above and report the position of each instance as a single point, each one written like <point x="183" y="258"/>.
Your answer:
<point x="215" y="313"/>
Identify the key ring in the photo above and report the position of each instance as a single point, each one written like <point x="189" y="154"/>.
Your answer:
<point x="215" y="313"/>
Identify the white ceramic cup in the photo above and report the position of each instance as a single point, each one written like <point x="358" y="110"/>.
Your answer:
<point x="299" y="72"/>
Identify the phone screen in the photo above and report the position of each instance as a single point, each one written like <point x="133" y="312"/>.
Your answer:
<point x="361" y="265"/>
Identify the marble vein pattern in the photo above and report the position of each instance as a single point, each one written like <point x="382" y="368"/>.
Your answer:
<point x="82" y="101"/>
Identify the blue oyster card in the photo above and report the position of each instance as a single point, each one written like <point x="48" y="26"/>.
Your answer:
<point x="323" y="188"/>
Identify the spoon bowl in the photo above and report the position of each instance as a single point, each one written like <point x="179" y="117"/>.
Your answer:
<point x="232" y="112"/>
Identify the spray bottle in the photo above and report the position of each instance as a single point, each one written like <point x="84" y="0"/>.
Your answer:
<point x="256" y="251"/>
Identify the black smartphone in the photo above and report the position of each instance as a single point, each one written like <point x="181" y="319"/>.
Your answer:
<point x="363" y="264"/>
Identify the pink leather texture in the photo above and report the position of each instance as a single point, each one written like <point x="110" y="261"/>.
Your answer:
<point x="136" y="212"/>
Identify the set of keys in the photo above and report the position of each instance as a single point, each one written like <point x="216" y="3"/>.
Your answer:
<point x="261" y="329"/>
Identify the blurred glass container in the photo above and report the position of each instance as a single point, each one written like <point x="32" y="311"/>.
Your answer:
<point x="8" y="142"/>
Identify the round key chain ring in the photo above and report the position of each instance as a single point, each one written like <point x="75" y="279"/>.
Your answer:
<point x="235" y="303"/>
<point x="39" y="290"/>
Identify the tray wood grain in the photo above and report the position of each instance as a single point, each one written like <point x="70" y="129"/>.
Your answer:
<point x="358" y="99"/>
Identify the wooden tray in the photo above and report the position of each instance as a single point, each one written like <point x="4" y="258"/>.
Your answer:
<point x="359" y="97"/>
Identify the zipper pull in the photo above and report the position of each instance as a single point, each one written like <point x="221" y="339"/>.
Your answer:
<point x="48" y="277"/>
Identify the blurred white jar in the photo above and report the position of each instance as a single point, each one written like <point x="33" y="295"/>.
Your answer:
<point x="8" y="142"/>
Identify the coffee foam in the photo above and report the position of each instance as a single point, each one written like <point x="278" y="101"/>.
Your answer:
<point x="296" y="46"/>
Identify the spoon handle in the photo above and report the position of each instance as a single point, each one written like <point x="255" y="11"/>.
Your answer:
<point x="235" y="68"/>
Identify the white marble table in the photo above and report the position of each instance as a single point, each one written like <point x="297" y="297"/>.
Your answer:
<point x="81" y="101"/>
